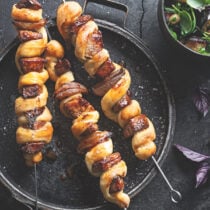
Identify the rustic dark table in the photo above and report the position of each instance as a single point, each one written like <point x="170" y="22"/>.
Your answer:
<point x="191" y="130"/>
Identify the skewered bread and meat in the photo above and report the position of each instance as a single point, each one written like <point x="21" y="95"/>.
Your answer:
<point x="82" y="31"/>
<point x="94" y="144"/>
<point x="33" y="117"/>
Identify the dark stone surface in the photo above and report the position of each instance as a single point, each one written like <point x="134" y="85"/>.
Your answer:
<point x="191" y="131"/>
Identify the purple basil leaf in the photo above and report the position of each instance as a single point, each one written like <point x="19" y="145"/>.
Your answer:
<point x="192" y="155"/>
<point x="202" y="100"/>
<point x="202" y="174"/>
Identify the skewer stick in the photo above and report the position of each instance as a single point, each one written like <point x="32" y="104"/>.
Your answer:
<point x="36" y="191"/>
<point x="176" y="196"/>
<point x="36" y="187"/>
<point x="48" y="33"/>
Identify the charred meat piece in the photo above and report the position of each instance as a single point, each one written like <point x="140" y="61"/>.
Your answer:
<point x="69" y="89"/>
<point x="135" y="124"/>
<point x="105" y="69"/>
<point x="33" y="147"/>
<point x="30" y="4"/>
<point x="25" y="35"/>
<point x="32" y="64"/>
<point x="123" y="102"/>
<point x="82" y="20"/>
<point x="91" y="141"/>
<point x="102" y="87"/>
<point x="75" y="107"/>
<point x="62" y="66"/>
<point x="35" y="125"/>
<point x="116" y="185"/>
<point x="107" y="162"/>
<point x="31" y="117"/>
<point x="91" y="129"/>
<point x="94" y="44"/>
<point x="30" y="91"/>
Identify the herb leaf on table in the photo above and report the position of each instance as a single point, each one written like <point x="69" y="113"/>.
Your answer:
<point x="201" y="100"/>
<point x="202" y="174"/>
<point x="202" y="161"/>
<point x="191" y="155"/>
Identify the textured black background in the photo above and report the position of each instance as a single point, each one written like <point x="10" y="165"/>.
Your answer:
<point x="182" y="76"/>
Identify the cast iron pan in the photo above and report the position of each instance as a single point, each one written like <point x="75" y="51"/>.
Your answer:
<point x="81" y="190"/>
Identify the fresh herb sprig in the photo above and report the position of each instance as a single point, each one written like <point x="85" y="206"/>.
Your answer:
<point x="202" y="161"/>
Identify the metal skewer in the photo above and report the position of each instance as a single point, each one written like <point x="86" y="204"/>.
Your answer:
<point x="48" y="33"/>
<point x="36" y="187"/>
<point x="175" y="195"/>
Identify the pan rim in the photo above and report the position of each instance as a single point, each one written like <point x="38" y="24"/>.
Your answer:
<point x="140" y="44"/>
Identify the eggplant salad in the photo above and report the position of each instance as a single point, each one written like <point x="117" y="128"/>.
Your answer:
<point x="189" y="22"/>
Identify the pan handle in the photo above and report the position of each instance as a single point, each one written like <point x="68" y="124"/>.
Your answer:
<point x="112" y="4"/>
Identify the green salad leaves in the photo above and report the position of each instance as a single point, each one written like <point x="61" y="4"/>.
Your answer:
<point x="187" y="19"/>
<point x="189" y="22"/>
<point x="198" y="4"/>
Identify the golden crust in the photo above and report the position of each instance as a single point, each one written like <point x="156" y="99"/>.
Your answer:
<point x="44" y="117"/>
<point x="31" y="159"/>
<point x="142" y="142"/>
<point x="26" y="135"/>
<point x="32" y="48"/>
<point x="64" y="78"/>
<point x="24" y="105"/>
<point x="82" y="39"/>
<point x="114" y="95"/>
<point x="119" y="198"/>
<point x="92" y="65"/>
<point x="96" y="153"/>
<point x="25" y="14"/>
<point x="81" y="123"/>
<point x="33" y="78"/>
<point x="128" y="112"/>
<point x="72" y="10"/>
<point x="54" y="49"/>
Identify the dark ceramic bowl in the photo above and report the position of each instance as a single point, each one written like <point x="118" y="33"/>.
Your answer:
<point x="176" y="44"/>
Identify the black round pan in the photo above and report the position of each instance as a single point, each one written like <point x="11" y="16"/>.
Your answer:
<point x="81" y="190"/>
